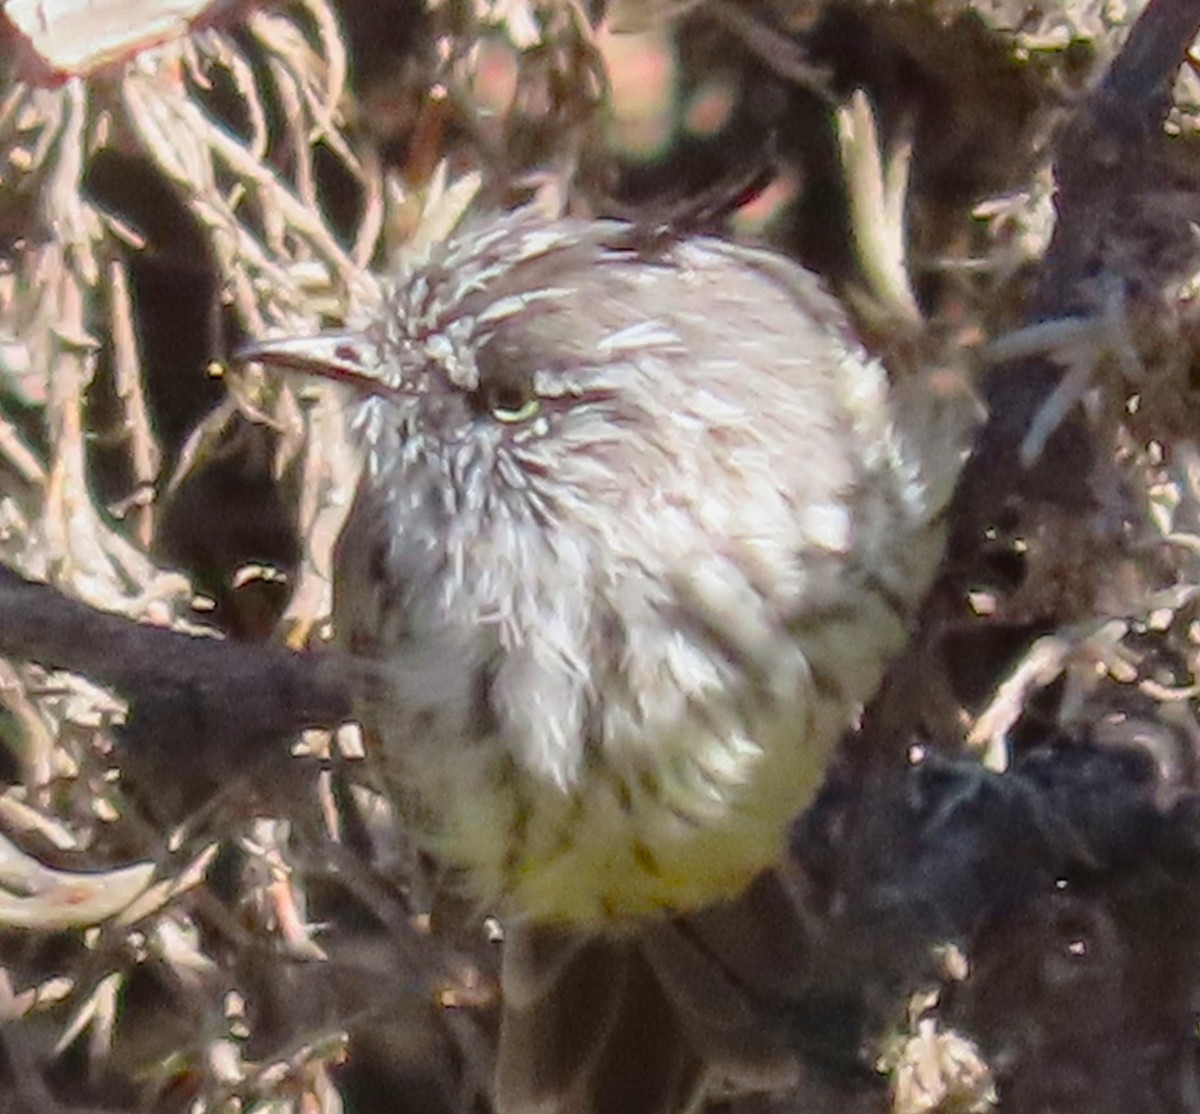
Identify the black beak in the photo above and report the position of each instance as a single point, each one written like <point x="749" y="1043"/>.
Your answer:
<point x="340" y="356"/>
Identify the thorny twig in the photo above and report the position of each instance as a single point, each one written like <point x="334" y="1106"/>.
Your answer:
<point x="1109" y="158"/>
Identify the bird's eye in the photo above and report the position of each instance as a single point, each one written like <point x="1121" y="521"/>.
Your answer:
<point x="511" y="402"/>
<point x="522" y="413"/>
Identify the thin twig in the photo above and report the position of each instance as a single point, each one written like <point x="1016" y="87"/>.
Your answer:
<point x="145" y="455"/>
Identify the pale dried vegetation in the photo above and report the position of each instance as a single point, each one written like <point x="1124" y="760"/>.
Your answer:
<point x="189" y="959"/>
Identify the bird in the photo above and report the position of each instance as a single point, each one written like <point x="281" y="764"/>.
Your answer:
<point x="636" y="534"/>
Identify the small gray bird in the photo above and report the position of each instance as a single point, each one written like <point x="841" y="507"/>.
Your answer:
<point x="634" y="540"/>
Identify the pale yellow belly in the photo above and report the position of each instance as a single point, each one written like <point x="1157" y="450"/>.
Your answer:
<point x="690" y="820"/>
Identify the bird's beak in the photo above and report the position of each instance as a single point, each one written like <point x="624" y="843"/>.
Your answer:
<point x="341" y="356"/>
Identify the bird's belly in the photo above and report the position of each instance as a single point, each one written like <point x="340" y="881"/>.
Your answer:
<point x="672" y="826"/>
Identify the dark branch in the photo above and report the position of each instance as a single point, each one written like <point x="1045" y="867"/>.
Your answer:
<point x="229" y="698"/>
<point x="1114" y="154"/>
